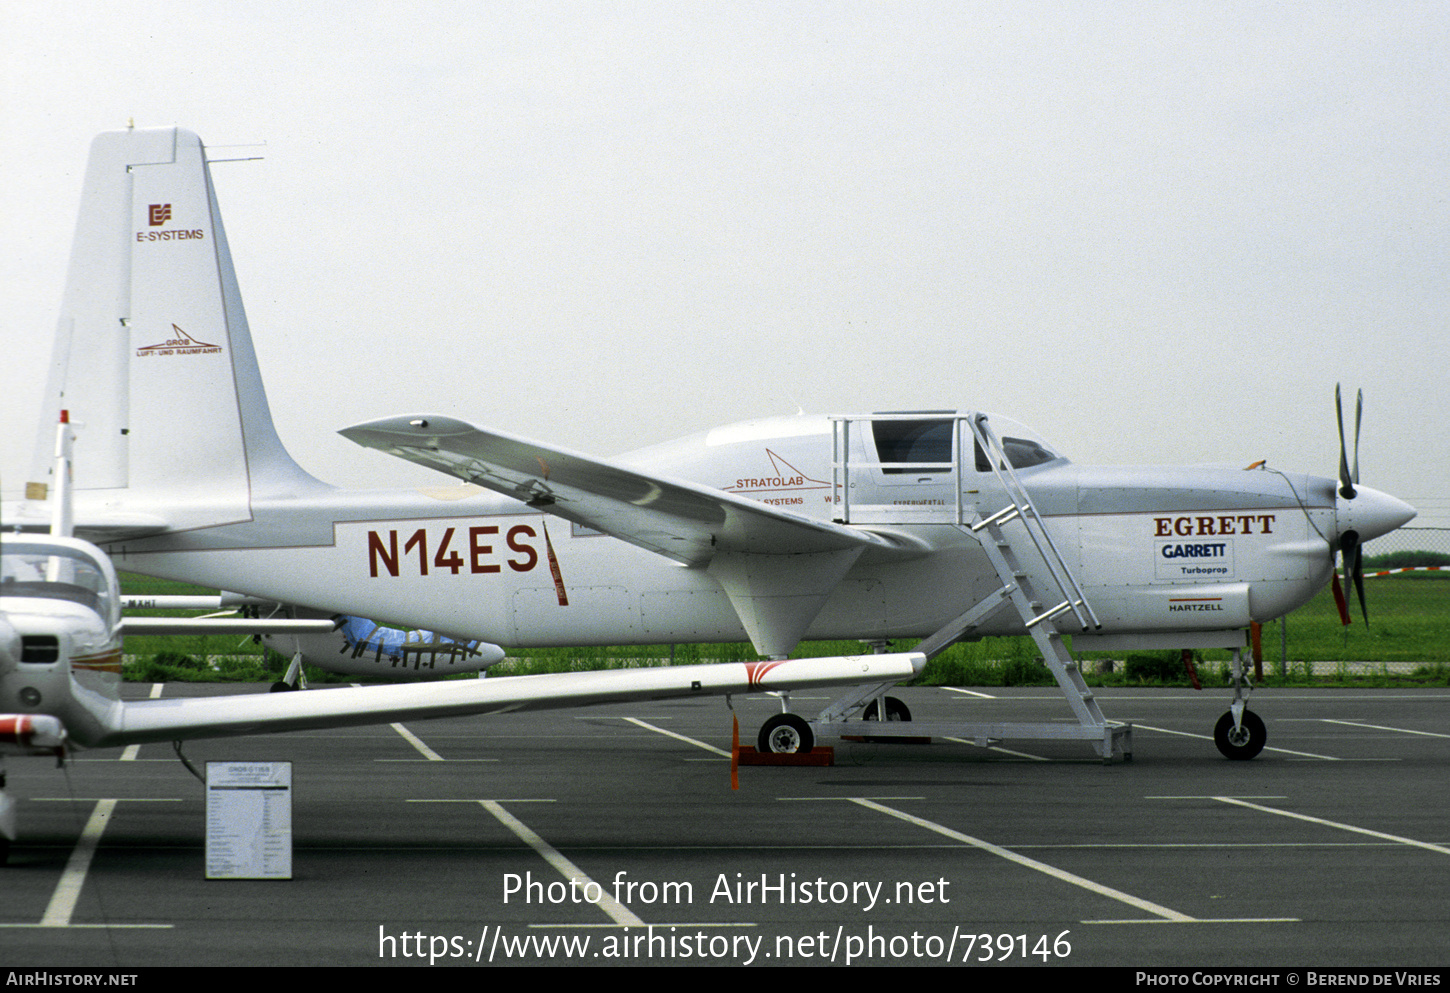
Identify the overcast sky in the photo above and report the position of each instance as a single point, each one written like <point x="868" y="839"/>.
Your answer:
<point x="1155" y="233"/>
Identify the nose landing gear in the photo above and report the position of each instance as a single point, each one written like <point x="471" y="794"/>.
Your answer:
<point x="1242" y="739"/>
<point x="1240" y="733"/>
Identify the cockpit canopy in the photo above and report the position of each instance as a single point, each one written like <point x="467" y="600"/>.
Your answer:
<point x="58" y="569"/>
<point x="923" y="443"/>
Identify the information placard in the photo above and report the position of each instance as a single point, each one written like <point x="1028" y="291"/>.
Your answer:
<point x="249" y="820"/>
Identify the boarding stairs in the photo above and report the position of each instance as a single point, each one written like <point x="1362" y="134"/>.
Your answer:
<point x="1009" y="536"/>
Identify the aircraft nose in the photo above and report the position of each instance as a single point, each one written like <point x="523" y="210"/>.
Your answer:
<point x="1371" y="513"/>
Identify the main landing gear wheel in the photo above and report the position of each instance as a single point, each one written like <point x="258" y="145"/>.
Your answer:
<point x="1242" y="742"/>
<point x="785" y="734"/>
<point x="895" y="710"/>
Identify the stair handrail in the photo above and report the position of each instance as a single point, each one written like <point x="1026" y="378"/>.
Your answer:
<point x="1017" y="494"/>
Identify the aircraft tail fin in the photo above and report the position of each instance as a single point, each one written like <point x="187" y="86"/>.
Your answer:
<point x="153" y="356"/>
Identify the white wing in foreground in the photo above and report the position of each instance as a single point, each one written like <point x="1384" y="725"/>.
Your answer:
<point x="223" y="716"/>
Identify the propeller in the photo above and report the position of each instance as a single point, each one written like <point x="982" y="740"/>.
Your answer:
<point x="1350" y="549"/>
<point x="1346" y="479"/>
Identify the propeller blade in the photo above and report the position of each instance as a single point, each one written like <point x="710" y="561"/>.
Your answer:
<point x="1352" y="555"/>
<point x="1346" y="487"/>
<point x="1358" y="413"/>
<point x="1339" y="600"/>
<point x="1359" y="581"/>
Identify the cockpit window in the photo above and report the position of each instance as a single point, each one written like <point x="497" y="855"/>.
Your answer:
<point x="925" y="445"/>
<point x="1021" y="452"/>
<point x="51" y="572"/>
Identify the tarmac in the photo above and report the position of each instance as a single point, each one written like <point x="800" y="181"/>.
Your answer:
<point x="612" y="836"/>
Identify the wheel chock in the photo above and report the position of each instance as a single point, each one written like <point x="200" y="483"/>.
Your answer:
<point x="818" y="757"/>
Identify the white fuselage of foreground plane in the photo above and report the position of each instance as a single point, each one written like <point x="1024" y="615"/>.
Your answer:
<point x="60" y="643"/>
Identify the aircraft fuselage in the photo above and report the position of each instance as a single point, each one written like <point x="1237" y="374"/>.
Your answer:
<point x="1155" y="548"/>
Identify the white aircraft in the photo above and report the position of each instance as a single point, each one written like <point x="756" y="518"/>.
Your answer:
<point x="942" y="524"/>
<point x="360" y="647"/>
<point x="348" y="646"/>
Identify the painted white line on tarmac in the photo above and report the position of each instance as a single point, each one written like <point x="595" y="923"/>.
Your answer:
<point x="1381" y="727"/>
<point x="1336" y="824"/>
<point x="999" y="748"/>
<point x="677" y="736"/>
<point x="617" y="911"/>
<point x="1158" y="910"/>
<point x="68" y="890"/>
<point x="417" y="743"/>
<point x="1267" y="748"/>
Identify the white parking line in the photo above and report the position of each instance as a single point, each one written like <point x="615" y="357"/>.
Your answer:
<point x="1381" y="727"/>
<point x="619" y="913"/>
<point x="1335" y="824"/>
<point x="68" y="890"/>
<point x="999" y="748"/>
<point x="417" y="743"/>
<point x="679" y="737"/>
<point x="1209" y="737"/>
<point x="1145" y="905"/>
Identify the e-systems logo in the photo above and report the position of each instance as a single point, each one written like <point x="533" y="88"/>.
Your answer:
<point x="1193" y="559"/>
<point x="157" y="214"/>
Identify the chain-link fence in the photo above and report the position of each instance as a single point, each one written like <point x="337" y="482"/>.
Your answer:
<point x="1408" y="604"/>
<point x="1410" y="540"/>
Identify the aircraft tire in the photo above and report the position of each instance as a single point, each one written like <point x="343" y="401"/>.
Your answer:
<point x="895" y="710"/>
<point x="281" y="687"/>
<point x="785" y="734"/>
<point x="1247" y="742"/>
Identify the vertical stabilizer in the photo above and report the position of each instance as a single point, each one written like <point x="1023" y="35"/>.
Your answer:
<point x="152" y="356"/>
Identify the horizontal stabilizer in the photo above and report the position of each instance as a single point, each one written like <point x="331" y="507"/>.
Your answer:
<point x="223" y="716"/>
<point x="684" y="521"/>
<point x="35" y="516"/>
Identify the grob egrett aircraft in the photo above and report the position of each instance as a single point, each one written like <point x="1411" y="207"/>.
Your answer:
<point x="937" y="525"/>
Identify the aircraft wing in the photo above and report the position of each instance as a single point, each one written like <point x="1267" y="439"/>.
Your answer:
<point x="140" y="721"/>
<point x="681" y="520"/>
